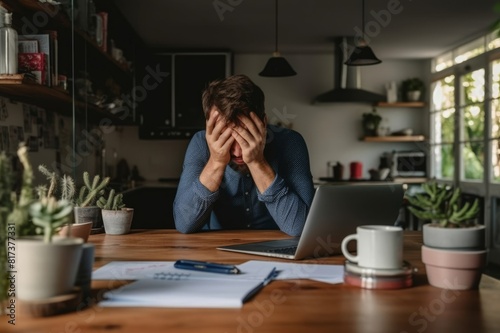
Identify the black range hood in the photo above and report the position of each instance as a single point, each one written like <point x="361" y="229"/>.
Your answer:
<point x="341" y="92"/>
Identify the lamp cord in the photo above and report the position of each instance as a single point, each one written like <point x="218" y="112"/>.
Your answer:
<point x="363" y="18"/>
<point x="276" y="25"/>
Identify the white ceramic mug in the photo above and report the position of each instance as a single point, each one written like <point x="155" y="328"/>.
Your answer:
<point x="379" y="247"/>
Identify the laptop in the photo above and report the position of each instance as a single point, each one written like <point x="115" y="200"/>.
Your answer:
<point x="335" y="212"/>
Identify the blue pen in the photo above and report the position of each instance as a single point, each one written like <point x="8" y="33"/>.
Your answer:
<point x="204" y="266"/>
<point x="261" y="285"/>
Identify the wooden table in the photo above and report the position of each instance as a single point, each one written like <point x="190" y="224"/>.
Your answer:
<point x="282" y="306"/>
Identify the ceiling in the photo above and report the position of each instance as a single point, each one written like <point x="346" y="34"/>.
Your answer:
<point x="401" y="29"/>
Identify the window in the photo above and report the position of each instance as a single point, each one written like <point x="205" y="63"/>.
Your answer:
<point x="465" y="126"/>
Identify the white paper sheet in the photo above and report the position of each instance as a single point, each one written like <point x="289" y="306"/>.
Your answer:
<point x="318" y="272"/>
<point x="137" y="270"/>
<point x="181" y="293"/>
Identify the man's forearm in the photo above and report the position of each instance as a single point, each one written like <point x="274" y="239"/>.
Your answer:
<point x="262" y="174"/>
<point x="212" y="174"/>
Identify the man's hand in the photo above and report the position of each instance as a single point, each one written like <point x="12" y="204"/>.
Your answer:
<point x="251" y="136"/>
<point x="219" y="138"/>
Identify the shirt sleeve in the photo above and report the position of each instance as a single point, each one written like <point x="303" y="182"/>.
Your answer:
<point x="193" y="202"/>
<point x="288" y="199"/>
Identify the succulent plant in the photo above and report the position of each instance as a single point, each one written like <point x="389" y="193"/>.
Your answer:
<point x="441" y="204"/>
<point x="50" y="214"/>
<point x="114" y="201"/>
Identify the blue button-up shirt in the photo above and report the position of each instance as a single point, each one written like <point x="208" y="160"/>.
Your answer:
<point x="238" y="204"/>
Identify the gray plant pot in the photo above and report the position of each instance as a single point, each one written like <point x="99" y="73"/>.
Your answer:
<point x="89" y="214"/>
<point x="117" y="222"/>
<point x="472" y="238"/>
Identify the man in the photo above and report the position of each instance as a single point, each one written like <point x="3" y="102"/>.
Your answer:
<point x="240" y="173"/>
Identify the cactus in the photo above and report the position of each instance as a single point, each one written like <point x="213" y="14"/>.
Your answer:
<point x="6" y="187"/>
<point x="19" y="215"/>
<point x="441" y="204"/>
<point x="112" y="202"/>
<point x="89" y="192"/>
<point x="66" y="184"/>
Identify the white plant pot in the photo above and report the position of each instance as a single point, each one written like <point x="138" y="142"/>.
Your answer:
<point x="45" y="270"/>
<point x="117" y="222"/>
<point x="472" y="238"/>
<point x="413" y="96"/>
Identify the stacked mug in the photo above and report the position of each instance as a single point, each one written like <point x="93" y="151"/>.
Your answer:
<point x="378" y="263"/>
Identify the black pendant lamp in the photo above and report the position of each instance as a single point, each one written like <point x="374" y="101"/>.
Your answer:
<point x="277" y="66"/>
<point x="362" y="55"/>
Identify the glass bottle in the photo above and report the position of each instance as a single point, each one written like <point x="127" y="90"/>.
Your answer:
<point x="8" y="46"/>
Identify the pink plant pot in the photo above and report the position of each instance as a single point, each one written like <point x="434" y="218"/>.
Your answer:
<point x="453" y="269"/>
<point x="80" y="230"/>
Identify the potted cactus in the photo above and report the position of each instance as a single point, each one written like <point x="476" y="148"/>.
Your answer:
<point x="66" y="193"/>
<point x="46" y="264"/>
<point x="454" y="243"/>
<point x="116" y="217"/>
<point x="85" y="203"/>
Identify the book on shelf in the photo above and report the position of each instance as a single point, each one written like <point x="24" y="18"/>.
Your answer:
<point x="47" y="44"/>
<point x="101" y="35"/>
<point x="34" y="64"/>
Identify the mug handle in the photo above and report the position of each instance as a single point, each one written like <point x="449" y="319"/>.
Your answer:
<point x="345" y="251"/>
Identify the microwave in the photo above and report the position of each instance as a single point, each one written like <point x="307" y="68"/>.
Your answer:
<point x="409" y="164"/>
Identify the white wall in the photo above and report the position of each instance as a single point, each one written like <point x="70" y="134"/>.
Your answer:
<point x="331" y="131"/>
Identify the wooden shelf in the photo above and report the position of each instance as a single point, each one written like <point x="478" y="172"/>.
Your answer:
<point x="394" y="138"/>
<point x="401" y="105"/>
<point x="53" y="99"/>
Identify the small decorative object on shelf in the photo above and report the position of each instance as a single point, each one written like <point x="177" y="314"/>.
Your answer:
<point x="370" y="122"/>
<point x="412" y="89"/>
<point x="8" y="46"/>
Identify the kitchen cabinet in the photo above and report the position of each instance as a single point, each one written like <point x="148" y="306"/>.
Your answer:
<point x="173" y="109"/>
<point x="397" y="138"/>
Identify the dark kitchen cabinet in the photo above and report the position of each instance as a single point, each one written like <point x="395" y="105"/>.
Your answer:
<point x="153" y="207"/>
<point x="172" y="109"/>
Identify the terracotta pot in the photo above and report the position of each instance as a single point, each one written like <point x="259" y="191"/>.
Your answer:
<point x="44" y="269"/>
<point x="117" y="222"/>
<point x="453" y="269"/>
<point x="78" y="230"/>
<point x="472" y="238"/>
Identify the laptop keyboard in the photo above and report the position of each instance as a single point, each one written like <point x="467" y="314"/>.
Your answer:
<point x="284" y="250"/>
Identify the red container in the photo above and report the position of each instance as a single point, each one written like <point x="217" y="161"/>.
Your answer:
<point x="356" y="170"/>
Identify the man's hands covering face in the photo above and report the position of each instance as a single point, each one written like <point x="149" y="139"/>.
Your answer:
<point x="219" y="138"/>
<point x="251" y="136"/>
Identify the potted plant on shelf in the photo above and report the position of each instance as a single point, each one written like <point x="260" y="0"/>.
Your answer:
<point x="85" y="203"/>
<point x="454" y="250"/>
<point x="371" y="122"/>
<point x="116" y="217"/>
<point x="67" y="192"/>
<point x="46" y="264"/>
<point x="412" y="89"/>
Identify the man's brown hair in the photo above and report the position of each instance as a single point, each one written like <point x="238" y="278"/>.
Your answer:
<point x="233" y="96"/>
